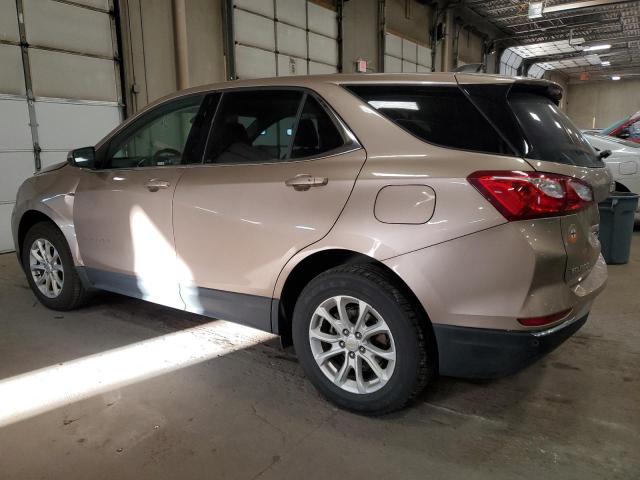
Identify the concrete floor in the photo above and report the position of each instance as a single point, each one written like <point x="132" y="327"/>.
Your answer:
<point x="251" y="414"/>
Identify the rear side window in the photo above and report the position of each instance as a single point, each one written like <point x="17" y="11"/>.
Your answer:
<point x="551" y="136"/>
<point x="440" y="115"/>
<point x="316" y="133"/>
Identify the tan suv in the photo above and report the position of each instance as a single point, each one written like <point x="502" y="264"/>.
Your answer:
<point x="392" y="226"/>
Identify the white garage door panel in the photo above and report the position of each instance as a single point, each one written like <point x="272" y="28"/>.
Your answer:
<point x="323" y="49"/>
<point x="292" y="40"/>
<point x="14" y="126"/>
<point x="65" y="75"/>
<point x="424" y="56"/>
<point x="409" y="67"/>
<point x="6" y="240"/>
<point x="299" y="66"/>
<point x="409" y="51"/>
<point x="264" y="7"/>
<point x="321" y="68"/>
<point x="8" y="21"/>
<point x="322" y="20"/>
<point x="393" y="45"/>
<point x="423" y="69"/>
<point x="11" y="75"/>
<point x="292" y="11"/>
<point x="51" y="158"/>
<point x="250" y="29"/>
<point x="254" y="63"/>
<point x="392" y="64"/>
<point x="67" y="27"/>
<point x="15" y="168"/>
<point x="83" y="125"/>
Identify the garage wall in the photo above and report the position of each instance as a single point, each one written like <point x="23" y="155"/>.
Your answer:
<point x="360" y="37"/>
<point x="59" y="87"/>
<point x="599" y="104"/>
<point x="149" y="47"/>
<point x="468" y="45"/>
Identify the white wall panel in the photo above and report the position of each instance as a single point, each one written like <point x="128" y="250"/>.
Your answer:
<point x="322" y="20"/>
<point x="65" y="75"/>
<point x="15" y="133"/>
<point x="323" y="49"/>
<point x="423" y="69"/>
<point x="254" y="63"/>
<point x="392" y="64"/>
<point x="250" y="29"/>
<point x="292" y="40"/>
<point x="409" y="51"/>
<point x="52" y="157"/>
<point x="16" y="167"/>
<point x="285" y="66"/>
<point x="11" y="74"/>
<point x="84" y="124"/>
<point x="321" y="68"/>
<point x="393" y="45"/>
<point x="292" y="11"/>
<point x="67" y="27"/>
<point x="8" y="21"/>
<point x="103" y="4"/>
<point x="264" y="7"/>
<point x="6" y="239"/>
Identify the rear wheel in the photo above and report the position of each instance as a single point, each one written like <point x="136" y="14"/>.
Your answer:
<point x="361" y="341"/>
<point x="50" y="270"/>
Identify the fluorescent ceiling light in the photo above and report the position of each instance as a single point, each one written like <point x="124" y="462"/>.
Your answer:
<point x="535" y="10"/>
<point x="596" y="47"/>
<point x="615" y="77"/>
<point x="394" y="104"/>
<point x="605" y="63"/>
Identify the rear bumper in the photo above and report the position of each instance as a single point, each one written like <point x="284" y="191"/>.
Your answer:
<point x="487" y="353"/>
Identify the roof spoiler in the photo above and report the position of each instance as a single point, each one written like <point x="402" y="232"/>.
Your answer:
<point x="549" y="89"/>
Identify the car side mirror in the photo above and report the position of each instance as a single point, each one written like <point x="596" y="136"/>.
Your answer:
<point x="84" y="157"/>
<point x="624" y="133"/>
<point x="604" y="154"/>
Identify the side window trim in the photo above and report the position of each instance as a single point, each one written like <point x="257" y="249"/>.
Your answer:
<point x="296" y="122"/>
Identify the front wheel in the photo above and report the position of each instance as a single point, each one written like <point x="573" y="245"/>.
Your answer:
<point x="47" y="261"/>
<point x="361" y="341"/>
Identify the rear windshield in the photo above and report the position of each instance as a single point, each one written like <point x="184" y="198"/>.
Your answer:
<point x="549" y="133"/>
<point x="441" y="115"/>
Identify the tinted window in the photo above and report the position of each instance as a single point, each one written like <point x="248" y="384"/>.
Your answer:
<point x="316" y="133"/>
<point x="440" y="115"/>
<point x="158" y="138"/>
<point x="551" y="135"/>
<point x="253" y="127"/>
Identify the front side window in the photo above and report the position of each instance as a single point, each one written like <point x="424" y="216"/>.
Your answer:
<point x="159" y="138"/>
<point x="253" y="126"/>
<point x="441" y="115"/>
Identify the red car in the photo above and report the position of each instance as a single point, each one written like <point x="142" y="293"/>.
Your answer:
<point x="627" y="128"/>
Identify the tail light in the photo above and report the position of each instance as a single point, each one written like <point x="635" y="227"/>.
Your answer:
<point x="546" y="320"/>
<point x="525" y="195"/>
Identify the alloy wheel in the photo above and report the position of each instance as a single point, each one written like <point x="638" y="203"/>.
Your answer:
<point x="46" y="268"/>
<point x="352" y="344"/>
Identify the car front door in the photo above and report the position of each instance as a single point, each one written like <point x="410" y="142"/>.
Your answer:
<point x="279" y="168"/>
<point x="123" y="209"/>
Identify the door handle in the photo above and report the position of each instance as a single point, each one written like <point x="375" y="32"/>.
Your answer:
<point x="305" y="181"/>
<point x="154" y="184"/>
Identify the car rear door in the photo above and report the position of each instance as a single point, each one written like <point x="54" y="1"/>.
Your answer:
<point x="279" y="168"/>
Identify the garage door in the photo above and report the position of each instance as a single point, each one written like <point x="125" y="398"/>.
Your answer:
<point x="59" y="87"/>
<point x="283" y="37"/>
<point x="403" y="55"/>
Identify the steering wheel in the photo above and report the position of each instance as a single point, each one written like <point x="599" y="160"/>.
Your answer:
<point x="165" y="153"/>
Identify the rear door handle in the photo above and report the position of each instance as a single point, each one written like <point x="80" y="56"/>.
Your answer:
<point x="154" y="184"/>
<point x="305" y="182"/>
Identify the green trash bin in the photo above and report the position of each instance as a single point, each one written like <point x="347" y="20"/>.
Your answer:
<point x="617" y="216"/>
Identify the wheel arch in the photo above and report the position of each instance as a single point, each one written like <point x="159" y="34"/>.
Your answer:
<point x="28" y="220"/>
<point x="318" y="262"/>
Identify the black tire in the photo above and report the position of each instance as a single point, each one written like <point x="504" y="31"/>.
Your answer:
<point x="73" y="294"/>
<point x="415" y="351"/>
